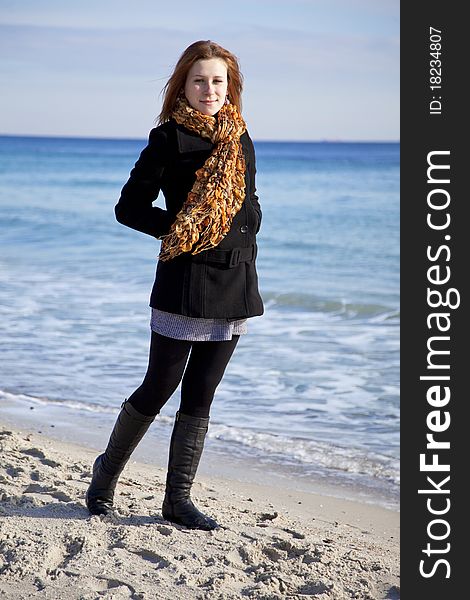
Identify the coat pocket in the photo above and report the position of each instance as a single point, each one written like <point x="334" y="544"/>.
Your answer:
<point x="226" y="290"/>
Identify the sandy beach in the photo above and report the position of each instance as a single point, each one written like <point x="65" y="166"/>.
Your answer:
<point x="273" y="543"/>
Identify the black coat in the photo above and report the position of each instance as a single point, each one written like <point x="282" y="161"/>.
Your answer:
<point x="217" y="283"/>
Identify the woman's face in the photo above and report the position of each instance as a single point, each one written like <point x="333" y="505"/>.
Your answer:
<point x="206" y="85"/>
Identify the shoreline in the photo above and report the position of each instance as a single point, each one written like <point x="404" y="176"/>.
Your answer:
<point x="274" y="542"/>
<point x="92" y="429"/>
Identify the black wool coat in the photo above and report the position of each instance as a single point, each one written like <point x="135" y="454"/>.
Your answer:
<point x="218" y="283"/>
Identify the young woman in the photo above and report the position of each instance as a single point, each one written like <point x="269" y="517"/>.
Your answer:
<point x="202" y="159"/>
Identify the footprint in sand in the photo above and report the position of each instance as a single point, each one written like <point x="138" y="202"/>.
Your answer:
<point x="36" y="488"/>
<point x="36" y="453"/>
<point x="73" y="547"/>
<point x="159" y="561"/>
<point x="14" y="471"/>
<point x="315" y="588"/>
<point x="164" y="530"/>
<point x="295" y="534"/>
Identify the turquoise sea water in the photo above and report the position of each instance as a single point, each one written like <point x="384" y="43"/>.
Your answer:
<point x="314" y="386"/>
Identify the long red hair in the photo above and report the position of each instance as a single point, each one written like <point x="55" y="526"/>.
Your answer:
<point x="201" y="50"/>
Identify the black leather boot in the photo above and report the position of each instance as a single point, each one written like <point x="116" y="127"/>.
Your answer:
<point x="128" y="430"/>
<point x="187" y="442"/>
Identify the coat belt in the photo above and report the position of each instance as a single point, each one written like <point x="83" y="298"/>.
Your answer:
<point x="232" y="258"/>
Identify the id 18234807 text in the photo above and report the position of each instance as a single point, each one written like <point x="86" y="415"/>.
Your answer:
<point x="435" y="71"/>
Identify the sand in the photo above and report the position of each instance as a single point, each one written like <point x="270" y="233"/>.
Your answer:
<point x="274" y="543"/>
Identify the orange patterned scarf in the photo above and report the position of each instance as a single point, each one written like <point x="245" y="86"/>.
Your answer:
<point x="219" y="190"/>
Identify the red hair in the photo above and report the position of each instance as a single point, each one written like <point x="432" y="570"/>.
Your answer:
<point x="202" y="50"/>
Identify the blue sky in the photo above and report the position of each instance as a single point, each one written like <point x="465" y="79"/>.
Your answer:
<point x="314" y="69"/>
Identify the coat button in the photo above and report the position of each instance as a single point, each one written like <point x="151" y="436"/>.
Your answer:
<point x="244" y="228"/>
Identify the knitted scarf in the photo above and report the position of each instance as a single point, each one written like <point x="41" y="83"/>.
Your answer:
<point x="219" y="190"/>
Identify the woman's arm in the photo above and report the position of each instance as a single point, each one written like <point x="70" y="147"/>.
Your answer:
<point x="134" y="208"/>
<point x="254" y="198"/>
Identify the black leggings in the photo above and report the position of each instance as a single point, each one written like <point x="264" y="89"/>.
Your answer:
<point x="167" y="360"/>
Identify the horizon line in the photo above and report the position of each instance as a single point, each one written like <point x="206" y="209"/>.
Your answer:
<point x="138" y="139"/>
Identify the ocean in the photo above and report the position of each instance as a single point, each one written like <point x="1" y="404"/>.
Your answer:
<point x="312" y="390"/>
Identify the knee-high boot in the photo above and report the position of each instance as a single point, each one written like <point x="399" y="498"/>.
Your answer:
<point x="128" y="430"/>
<point x="187" y="443"/>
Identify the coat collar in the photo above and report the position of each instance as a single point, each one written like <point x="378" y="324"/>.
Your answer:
<point x="188" y="141"/>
